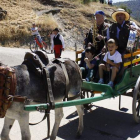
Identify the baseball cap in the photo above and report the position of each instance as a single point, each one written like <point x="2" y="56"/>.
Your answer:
<point x="99" y="12"/>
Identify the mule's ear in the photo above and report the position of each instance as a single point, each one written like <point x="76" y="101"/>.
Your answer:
<point x="52" y="69"/>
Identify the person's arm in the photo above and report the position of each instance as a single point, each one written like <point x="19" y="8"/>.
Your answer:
<point x="104" y="33"/>
<point x="89" y="65"/>
<point x="118" y="61"/>
<point x="113" y="64"/>
<point x="105" y="57"/>
<point x="36" y="29"/>
<point x="105" y="62"/>
<point x="134" y="25"/>
<point x="62" y="40"/>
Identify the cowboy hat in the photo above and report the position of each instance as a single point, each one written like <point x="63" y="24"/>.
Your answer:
<point x="127" y="16"/>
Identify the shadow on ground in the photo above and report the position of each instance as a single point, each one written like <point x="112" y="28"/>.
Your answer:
<point x="102" y="124"/>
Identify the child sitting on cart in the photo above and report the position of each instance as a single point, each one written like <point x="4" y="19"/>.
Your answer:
<point x="112" y="61"/>
<point x="89" y="64"/>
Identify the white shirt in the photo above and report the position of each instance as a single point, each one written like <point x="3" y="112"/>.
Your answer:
<point x="52" y="36"/>
<point x="62" y="40"/>
<point x="52" y="44"/>
<point x="36" y="31"/>
<point x="115" y="58"/>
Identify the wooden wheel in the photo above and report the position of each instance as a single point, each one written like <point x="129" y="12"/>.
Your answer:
<point x="136" y="102"/>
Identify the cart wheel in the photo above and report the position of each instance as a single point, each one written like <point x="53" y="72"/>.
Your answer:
<point x="136" y="102"/>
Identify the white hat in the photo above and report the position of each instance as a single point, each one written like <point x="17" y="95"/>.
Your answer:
<point x="127" y="16"/>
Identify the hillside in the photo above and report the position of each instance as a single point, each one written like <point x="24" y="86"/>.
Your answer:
<point x="133" y="5"/>
<point x="73" y="18"/>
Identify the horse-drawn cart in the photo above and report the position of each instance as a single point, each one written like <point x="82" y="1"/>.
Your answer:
<point x="129" y="80"/>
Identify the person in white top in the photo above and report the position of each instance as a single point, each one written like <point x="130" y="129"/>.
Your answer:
<point x="35" y="32"/>
<point x="51" y="39"/>
<point x="51" y="36"/>
<point x="112" y="61"/>
<point x="57" y="43"/>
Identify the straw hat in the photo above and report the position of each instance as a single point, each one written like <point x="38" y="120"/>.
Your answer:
<point x="127" y="16"/>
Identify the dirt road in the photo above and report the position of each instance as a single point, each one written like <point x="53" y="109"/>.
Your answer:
<point x="105" y="122"/>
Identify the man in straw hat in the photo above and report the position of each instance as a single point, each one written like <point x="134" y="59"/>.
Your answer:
<point x="57" y="43"/>
<point x="121" y="29"/>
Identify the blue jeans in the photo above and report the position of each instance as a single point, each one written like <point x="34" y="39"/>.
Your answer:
<point x="87" y="73"/>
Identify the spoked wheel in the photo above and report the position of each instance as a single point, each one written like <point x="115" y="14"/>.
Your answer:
<point x="33" y="46"/>
<point x="136" y="102"/>
<point x="45" y="47"/>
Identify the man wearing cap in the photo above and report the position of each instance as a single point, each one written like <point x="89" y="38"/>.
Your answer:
<point x="120" y="30"/>
<point x="101" y="31"/>
<point x="101" y="28"/>
<point x="57" y="43"/>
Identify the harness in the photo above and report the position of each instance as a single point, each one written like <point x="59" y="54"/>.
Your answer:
<point x="7" y="89"/>
<point x="36" y="63"/>
<point x="61" y="62"/>
<point x="38" y="66"/>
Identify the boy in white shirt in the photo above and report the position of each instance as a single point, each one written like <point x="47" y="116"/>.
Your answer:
<point x="112" y="61"/>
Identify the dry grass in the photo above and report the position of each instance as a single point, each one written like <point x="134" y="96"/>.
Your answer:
<point x="22" y="13"/>
<point x="46" y="22"/>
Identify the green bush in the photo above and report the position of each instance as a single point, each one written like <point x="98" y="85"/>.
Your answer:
<point x="88" y="1"/>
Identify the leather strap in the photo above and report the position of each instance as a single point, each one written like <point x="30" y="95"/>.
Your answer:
<point x="13" y="82"/>
<point x="49" y="85"/>
<point x="45" y="115"/>
<point x="17" y="98"/>
<point x="62" y="63"/>
<point x="49" y="93"/>
<point x="67" y="80"/>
